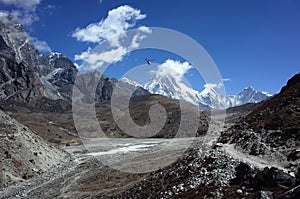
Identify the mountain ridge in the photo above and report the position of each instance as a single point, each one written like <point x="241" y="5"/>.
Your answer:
<point x="208" y="97"/>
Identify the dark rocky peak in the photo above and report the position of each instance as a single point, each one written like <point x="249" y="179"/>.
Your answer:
<point x="249" y="88"/>
<point x="61" y="76"/>
<point x="293" y="82"/>
<point x="280" y="111"/>
<point x="58" y="60"/>
<point x="56" y="72"/>
<point x="91" y="87"/>
<point x="14" y="36"/>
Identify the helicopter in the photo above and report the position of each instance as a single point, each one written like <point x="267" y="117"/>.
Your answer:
<point x="148" y="61"/>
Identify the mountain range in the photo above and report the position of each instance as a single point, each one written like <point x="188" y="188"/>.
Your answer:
<point x="256" y="157"/>
<point x="27" y="74"/>
<point x="207" y="98"/>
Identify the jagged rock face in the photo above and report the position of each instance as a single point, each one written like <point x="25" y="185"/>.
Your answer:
<point x="92" y="87"/>
<point x="61" y="79"/>
<point x="56" y="72"/>
<point x="14" y="36"/>
<point x="18" y="82"/>
<point x="5" y="50"/>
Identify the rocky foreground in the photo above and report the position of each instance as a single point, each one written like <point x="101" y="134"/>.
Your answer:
<point x="203" y="171"/>
<point x="23" y="153"/>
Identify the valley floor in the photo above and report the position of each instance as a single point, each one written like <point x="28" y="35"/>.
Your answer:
<point x="118" y="163"/>
<point x="119" y="168"/>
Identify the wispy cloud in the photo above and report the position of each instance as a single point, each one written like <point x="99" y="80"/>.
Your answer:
<point x="226" y="79"/>
<point x="29" y="5"/>
<point x="112" y="30"/>
<point x="42" y="46"/>
<point x="50" y="7"/>
<point x="23" y="11"/>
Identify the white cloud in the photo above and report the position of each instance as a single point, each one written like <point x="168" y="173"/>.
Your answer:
<point x="111" y="56"/>
<point x="84" y="55"/>
<point x="24" y="10"/>
<point x="24" y="17"/>
<point x="42" y="46"/>
<point x="29" y="5"/>
<point x="173" y="68"/>
<point x="93" y="58"/>
<point x="96" y="60"/>
<point x="212" y="86"/>
<point x="145" y="29"/>
<point x="113" y="26"/>
<point x="113" y="30"/>
<point x="135" y="43"/>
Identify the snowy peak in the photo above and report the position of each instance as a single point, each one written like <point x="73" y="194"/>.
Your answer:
<point x="55" y="55"/>
<point x="249" y="94"/>
<point x="173" y="88"/>
<point x="130" y="82"/>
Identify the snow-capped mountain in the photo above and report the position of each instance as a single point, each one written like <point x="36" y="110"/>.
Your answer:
<point x="169" y="86"/>
<point x="249" y="94"/>
<point x="207" y="98"/>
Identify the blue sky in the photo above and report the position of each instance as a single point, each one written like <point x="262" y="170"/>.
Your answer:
<point x="253" y="42"/>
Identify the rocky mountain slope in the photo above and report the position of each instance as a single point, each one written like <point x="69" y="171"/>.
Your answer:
<point x="23" y="153"/>
<point x="272" y="129"/>
<point x="131" y="86"/>
<point x="17" y="81"/>
<point x="26" y="74"/>
<point x="50" y="76"/>
<point x="237" y="113"/>
<point x="169" y="86"/>
<point x="139" y="111"/>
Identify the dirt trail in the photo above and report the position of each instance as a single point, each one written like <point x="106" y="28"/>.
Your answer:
<point x="255" y="161"/>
